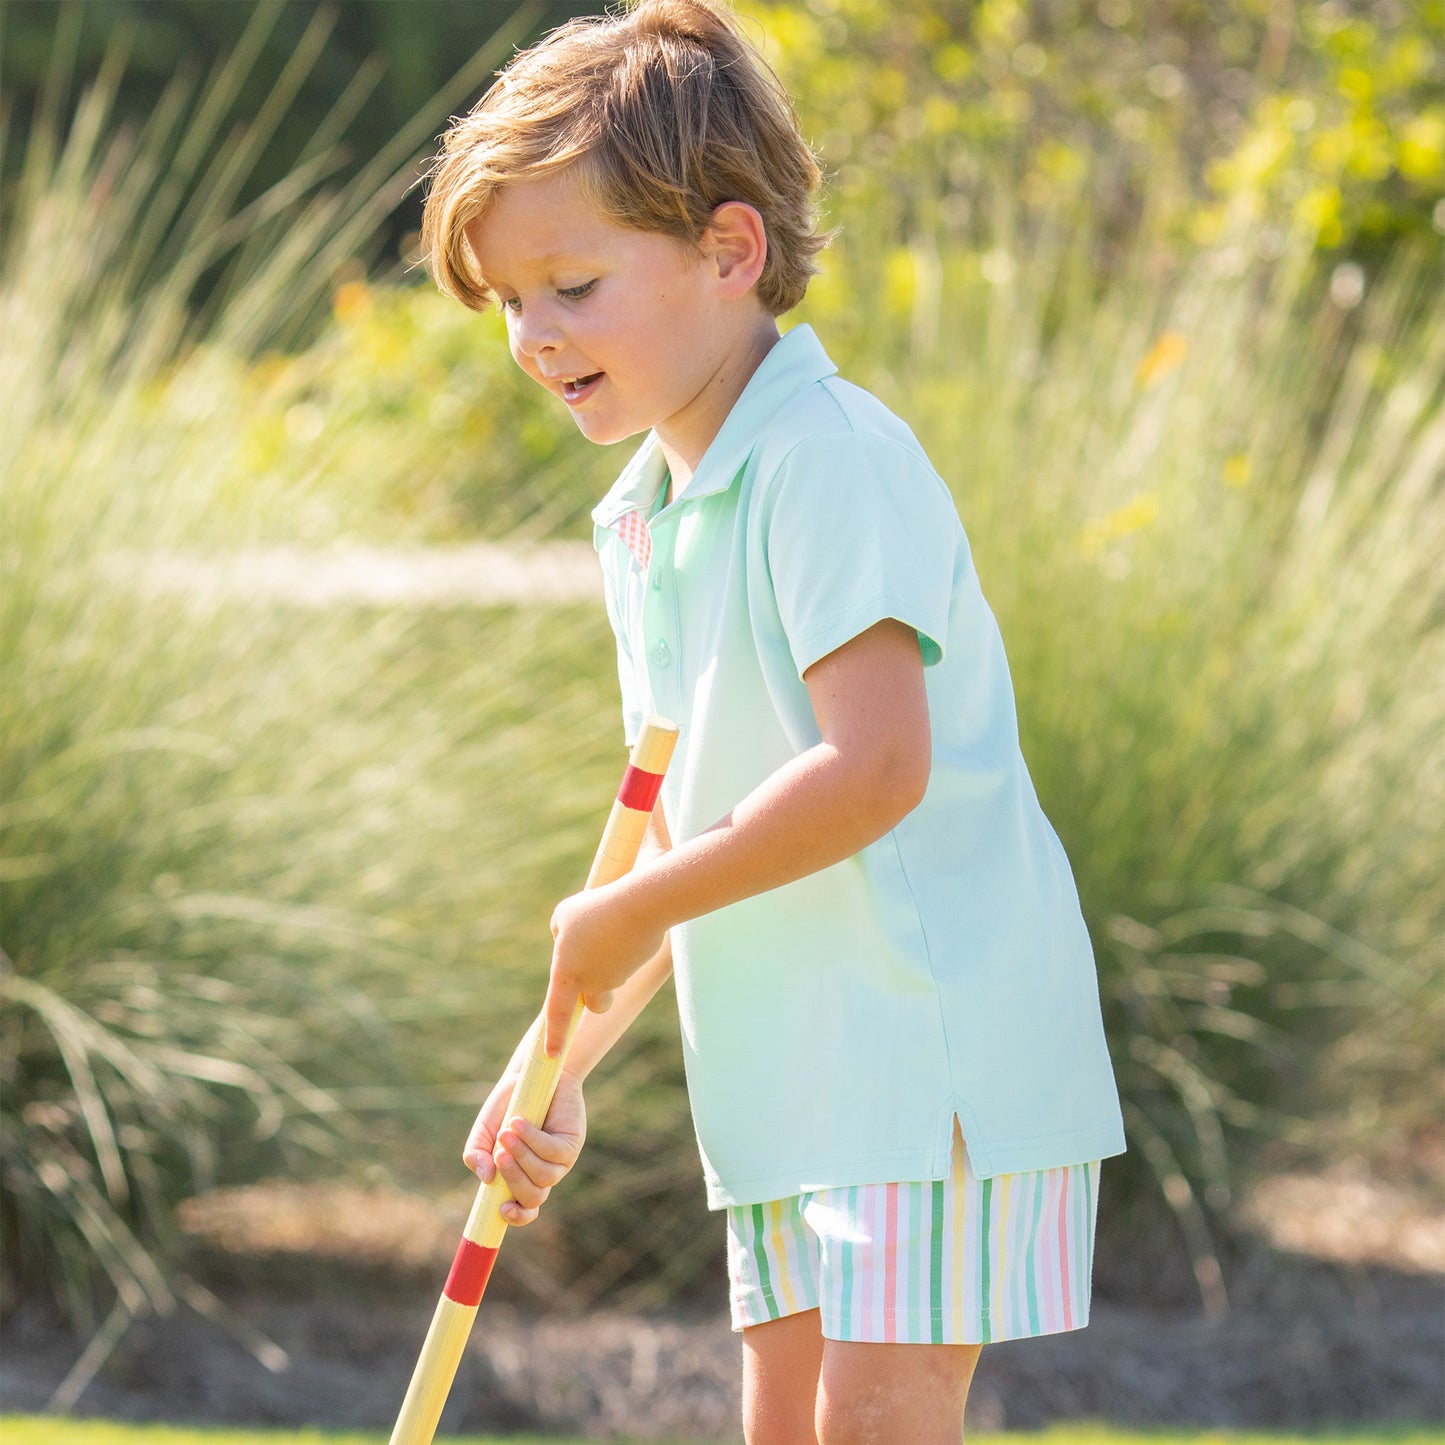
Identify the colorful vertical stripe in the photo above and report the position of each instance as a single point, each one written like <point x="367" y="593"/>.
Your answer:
<point x="960" y="1260"/>
<point x="772" y="1259"/>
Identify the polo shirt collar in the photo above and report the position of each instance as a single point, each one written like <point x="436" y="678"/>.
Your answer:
<point x="636" y="489"/>
<point x="796" y="362"/>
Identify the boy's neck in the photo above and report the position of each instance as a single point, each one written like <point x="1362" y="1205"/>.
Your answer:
<point x="728" y="382"/>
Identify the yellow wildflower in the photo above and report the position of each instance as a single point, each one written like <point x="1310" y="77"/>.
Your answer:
<point x="1132" y="517"/>
<point x="1167" y="352"/>
<point x="351" y="302"/>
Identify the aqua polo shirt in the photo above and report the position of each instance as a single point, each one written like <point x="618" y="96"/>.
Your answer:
<point x="834" y="1027"/>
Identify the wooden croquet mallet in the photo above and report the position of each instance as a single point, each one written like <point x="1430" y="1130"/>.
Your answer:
<point x="441" y="1352"/>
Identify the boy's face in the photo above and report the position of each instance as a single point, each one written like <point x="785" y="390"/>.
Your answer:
<point x="629" y="329"/>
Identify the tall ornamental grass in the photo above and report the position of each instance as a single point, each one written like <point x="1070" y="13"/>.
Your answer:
<point x="1207" y="498"/>
<point x="242" y="849"/>
<point x="1165" y="302"/>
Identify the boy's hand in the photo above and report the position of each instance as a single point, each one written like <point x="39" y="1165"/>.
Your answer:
<point x="599" y="942"/>
<point x="530" y="1160"/>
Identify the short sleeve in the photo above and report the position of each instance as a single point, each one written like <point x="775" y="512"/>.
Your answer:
<point x="633" y="708"/>
<point x="861" y="528"/>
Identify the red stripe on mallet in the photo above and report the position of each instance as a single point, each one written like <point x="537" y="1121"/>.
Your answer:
<point x="639" y="790"/>
<point x="470" y="1269"/>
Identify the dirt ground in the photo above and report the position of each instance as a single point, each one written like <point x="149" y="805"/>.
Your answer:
<point x="1337" y="1317"/>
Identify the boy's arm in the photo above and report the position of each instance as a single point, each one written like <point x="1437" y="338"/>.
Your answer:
<point x="533" y="1159"/>
<point x="869" y="771"/>
<point x="598" y="1032"/>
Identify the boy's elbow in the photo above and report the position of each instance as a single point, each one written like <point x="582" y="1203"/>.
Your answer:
<point x="912" y="781"/>
<point x="900" y="779"/>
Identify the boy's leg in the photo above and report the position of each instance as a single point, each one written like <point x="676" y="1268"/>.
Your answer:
<point x="799" y="1389"/>
<point x="781" y="1364"/>
<point x="869" y="1394"/>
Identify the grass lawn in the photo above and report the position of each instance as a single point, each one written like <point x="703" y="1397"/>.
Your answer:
<point x="27" y="1430"/>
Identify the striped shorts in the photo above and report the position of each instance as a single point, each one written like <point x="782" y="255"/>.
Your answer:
<point x="955" y="1261"/>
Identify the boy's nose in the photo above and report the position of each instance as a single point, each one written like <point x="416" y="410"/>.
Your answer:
<point x="534" y="335"/>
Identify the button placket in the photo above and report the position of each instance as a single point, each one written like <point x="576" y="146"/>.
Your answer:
<point x="659" y="622"/>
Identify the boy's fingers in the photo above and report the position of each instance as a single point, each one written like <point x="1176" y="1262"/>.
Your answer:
<point x="477" y="1155"/>
<point x="554" y="1146"/>
<point x="527" y="1197"/>
<point x="477" y="1151"/>
<point x="527" y="1177"/>
<point x="561" y="1002"/>
<point x="484" y="1133"/>
<point x="543" y="1161"/>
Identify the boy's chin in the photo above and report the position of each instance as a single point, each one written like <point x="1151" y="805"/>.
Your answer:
<point x="603" y="433"/>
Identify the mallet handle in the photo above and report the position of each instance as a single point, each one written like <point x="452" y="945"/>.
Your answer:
<point x="441" y="1352"/>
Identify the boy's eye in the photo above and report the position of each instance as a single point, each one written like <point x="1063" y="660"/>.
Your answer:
<point x="567" y="293"/>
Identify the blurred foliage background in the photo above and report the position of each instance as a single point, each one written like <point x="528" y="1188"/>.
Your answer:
<point x="1159" y="286"/>
<point x="360" y="71"/>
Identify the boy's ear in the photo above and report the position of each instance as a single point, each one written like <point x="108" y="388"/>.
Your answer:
<point x="737" y="243"/>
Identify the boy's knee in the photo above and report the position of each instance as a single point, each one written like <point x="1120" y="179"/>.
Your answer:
<point x="856" y="1413"/>
<point x="878" y="1394"/>
<point x="780" y="1380"/>
<point x="775" y="1428"/>
<point x="780" y="1412"/>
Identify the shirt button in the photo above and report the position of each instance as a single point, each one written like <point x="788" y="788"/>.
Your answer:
<point x="656" y="578"/>
<point x="662" y="655"/>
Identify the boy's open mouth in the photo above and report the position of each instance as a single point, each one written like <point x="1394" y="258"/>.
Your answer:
<point x="577" y="387"/>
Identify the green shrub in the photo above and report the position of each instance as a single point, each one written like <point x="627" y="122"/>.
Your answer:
<point x="1323" y="120"/>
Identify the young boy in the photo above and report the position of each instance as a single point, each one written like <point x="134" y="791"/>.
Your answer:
<point x="890" y="1016"/>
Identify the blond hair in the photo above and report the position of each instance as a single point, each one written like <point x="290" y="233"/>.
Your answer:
<point x="662" y="113"/>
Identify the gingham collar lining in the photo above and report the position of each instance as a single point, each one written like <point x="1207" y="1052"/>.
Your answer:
<point x="631" y="526"/>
